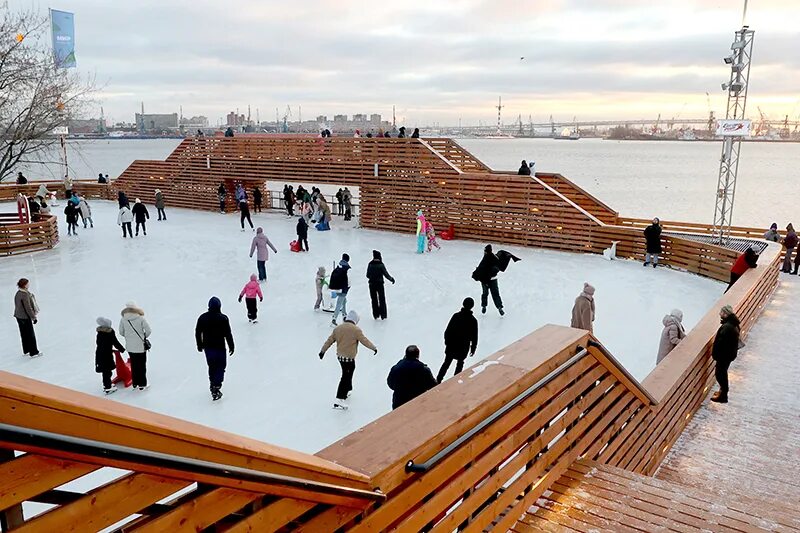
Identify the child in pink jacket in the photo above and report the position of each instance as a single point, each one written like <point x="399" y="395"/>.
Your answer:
<point x="430" y="233"/>
<point x="250" y="291"/>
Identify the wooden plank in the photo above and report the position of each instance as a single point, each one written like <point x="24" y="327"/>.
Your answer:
<point x="29" y="475"/>
<point x="273" y="517"/>
<point x="200" y="512"/>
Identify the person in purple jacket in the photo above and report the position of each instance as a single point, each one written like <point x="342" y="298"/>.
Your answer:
<point x="260" y="243"/>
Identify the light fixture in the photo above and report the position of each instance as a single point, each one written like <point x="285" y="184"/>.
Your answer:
<point x="737" y="45"/>
<point x="729" y="60"/>
<point x="737" y="86"/>
<point x="725" y="86"/>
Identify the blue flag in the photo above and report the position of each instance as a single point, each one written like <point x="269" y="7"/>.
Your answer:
<point x="62" y="26"/>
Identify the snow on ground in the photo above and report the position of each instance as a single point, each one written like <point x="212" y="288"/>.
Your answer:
<point x="276" y="388"/>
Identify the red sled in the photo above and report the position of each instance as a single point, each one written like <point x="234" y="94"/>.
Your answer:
<point x="449" y="234"/>
<point x="294" y="246"/>
<point x="123" y="370"/>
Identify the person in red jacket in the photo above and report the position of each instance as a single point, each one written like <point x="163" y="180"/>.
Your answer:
<point x="744" y="262"/>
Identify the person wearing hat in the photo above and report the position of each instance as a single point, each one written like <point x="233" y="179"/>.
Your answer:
<point x="339" y="285"/>
<point x="409" y="378"/>
<point x="162" y="215"/>
<point x="652" y="237"/>
<point x="789" y="242"/>
<point x="141" y="215"/>
<point x="376" y="272"/>
<point x="420" y="232"/>
<point x="124" y="219"/>
<point x="583" y="310"/>
<point x="724" y="350"/>
<point x="104" y="353"/>
<point x="135" y="329"/>
<point x="460" y="338"/>
<point x="746" y="261"/>
<point x="486" y="273"/>
<point x="772" y="234"/>
<point x="672" y="333"/>
<point x="212" y="331"/>
<point x="347" y="337"/>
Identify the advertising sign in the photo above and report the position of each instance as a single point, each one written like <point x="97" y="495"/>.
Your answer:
<point x="62" y="28"/>
<point x="733" y="128"/>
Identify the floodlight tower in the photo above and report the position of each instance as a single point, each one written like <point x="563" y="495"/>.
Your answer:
<point x="733" y="129"/>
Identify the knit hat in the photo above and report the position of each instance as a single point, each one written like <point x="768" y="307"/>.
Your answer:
<point x="214" y="304"/>
<point x="104" y="322"/>
<point x="487" y="249"/>
<point x="158" y="191"/>
<point x="137" y="201"/>
<point x="588" y="289"/>
<point x="727" y="310"/>
<point x="774" y="225"/>
<point x="677" y="313"/>
<point x="353" y="317"/>
<point x="260" y="230"/>
<point x="346" y="257"/>
<point x="376" y="254"/>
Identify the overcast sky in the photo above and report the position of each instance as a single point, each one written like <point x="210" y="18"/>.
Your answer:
<point x="435" y="60"/>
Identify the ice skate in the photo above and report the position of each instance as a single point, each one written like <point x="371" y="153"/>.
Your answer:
<point x="111" y="390"/>
<point x="143" y="387"/>
<point x="216" y="394"/>
<point x="340" y="404"/>
<point x="254" y="321"/>
<point x="483" y="310"/>
<point x="333" y="323"/>
<point x="36" y="355"/>
<point x="501" y="312"/>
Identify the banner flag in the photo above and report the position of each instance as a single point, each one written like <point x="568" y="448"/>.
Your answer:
<point x="62" y="26"/>
<point x="733" y="128"/>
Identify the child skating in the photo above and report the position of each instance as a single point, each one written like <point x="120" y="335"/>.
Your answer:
<point x="104" y="353"/>
<point x="320" y="282"/>
<point x="252" y="289"/>
<point x="430" y="233"/>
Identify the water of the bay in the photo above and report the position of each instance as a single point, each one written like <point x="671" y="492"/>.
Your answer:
<point x="672" y="180"/>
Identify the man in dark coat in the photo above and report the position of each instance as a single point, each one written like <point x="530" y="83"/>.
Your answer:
<point x="302" y="232"/>
<point x="140" y="214"/>
<point x="221" y="194"/>
<point x="524" y="169"/>
<point x="376" y="271"/>
<point x="486" y="273"/>
<point x="339" y="204"/>
<point x="652" y="237"/>
<point x="21" y="179"/>
<point x="257" y="199"/>
<point x="288" y="198"/>
<point x="460" y="338"/>
<point x="212" y="331"/>
<point x="104" y="353"/>
<point x="409" y="378"/>
<point x="724" y="350"/>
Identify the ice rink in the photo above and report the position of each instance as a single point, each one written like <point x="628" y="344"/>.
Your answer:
<point x="276" y="388"/>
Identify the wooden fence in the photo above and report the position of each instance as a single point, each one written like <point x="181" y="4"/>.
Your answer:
<point x="18" y="238"/>
<point x="87" y="188"/>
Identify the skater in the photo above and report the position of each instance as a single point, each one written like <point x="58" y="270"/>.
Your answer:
<point x="340" y="285"/>
<point x="250" y="291"/>
<point x="376" y="271"/>
<point x="245" y="212"/>
<point x="162" y="215"/>
<point x="72" y="218"/>
<point x="86" y="212"/>
<point x="772" y="233"/>
<point x="136" y="331"/>
<point x="420" y="232"/>
<point x="724" y="350"/>
<point x="460" y="338"/>
<point x="339" y="204"/>
<point x="124" y="219"/>
<point x="141" y="215"/>
<point x="583" y="310"/>
<point x="486" y="273"/>
<point x="789" y="242"/>
<point x="104" y="353"/>
<point x="26" y="311"/>
<point x="325" y="214"/>
<point x="320" y="282"/>
<point x="212" y="331"/>
<point x="524" y="169"/>
<point x="122" y="200"/>
<point x="672" y="333"/>
<point x="256" y="199"/>
<point x="302" y="233"/>
<point x="240" y="194"/>
<point x="259" y="244"/>
<point x="409" y="378"/>
<point x="43" y="192"/>
<point x="347" y="199"/>
<point x="652" y="237"/>
<point x="430" y="234"/>
<point x="221" y="194"/>
<point x="746" y="261"/>
<point x="67" y="187"/>
<point x="21" y="180"/>
<point x="347" y="336"/>
<point x="288" y="199"/>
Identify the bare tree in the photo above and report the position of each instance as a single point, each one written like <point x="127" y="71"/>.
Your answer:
<point x="36" y="98"/>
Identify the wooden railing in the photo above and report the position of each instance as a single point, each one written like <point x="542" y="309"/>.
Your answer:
<point x="693" y="227"/>
<point x="16" y="238"/>
<point x="87" y="188"/>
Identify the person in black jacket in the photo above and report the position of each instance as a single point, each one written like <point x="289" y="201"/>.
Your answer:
<point x="122" y="199"/>
<point x="212" y="331"/>
<point x="652" y="237"/>
<point x="409" y="378"/>
<point x="486" y="273"/>
<point x="104" y="353"/>
<point x="724" y="350"/>
<point x="376" y="271"/>
<point x="460" y="338"/>
<point x="140" y="214"/>
<point x="302" y="232"/>
<point x="71" y="210"/>
<point x="256" y="199"/>
<point x="524" y="169"/>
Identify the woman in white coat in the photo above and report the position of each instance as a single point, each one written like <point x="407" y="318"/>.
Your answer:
<point x="136" y="331"/>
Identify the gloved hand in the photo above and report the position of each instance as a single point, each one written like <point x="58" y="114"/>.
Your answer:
<point x="375" y="352"/>
<point x="321" y="355"/>
<point x="240" y="299"/>
<point x="35" y="320"/>
<point x="261" y="299"/>
<point x="199" y="348"/>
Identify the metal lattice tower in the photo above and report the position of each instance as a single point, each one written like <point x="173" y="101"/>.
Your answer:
<point x="737" y="86"/>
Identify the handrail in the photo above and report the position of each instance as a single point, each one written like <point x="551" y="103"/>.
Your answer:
<point x="411" y="466"/>
<point x="638" y="387"/>
<point x="107" y="451"/>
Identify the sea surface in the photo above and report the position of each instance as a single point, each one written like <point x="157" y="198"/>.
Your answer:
<point x="670" y="180"/>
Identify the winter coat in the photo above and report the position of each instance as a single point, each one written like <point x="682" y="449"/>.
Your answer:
<point x="86" y="210"/>
<point x="260" y="243"/>
<point x="524" y="170"/>
<point x="461" y="335"/>
<point x="671" y="335"/>
<point x="221" y="192"/>
<point x="487" y="269"/>
<point x="325" y="208"/>
<point x="347" y="336"/>
<point x="320" y="280"/>
<point x="257" y="196"/>
<point x="583" y="312"/>
<point x="67" y="184"/>
<point x="302" y="228"/>
<point x="42" y="191"/>
<point x="652" y="237"/>
<point x="288" y="195"/>
<point x="24" y="305"/>
<point x="504" y="258"/>
<point x="376" y="271"/>
<point x="213" y="330"/>
<point x="244" y="208"/>
<point x="744" y="262"/>
<point x="122" y="199"/>
<point x="241" y="194"/>
<point x="252" y="289"/>
<point x="339" y="279"/>
<point x="159" y="200"/>
<point x="408" y="379"/>
<point x="125" y="216"/>
<point x="726" y="342"/>
<point x="104" y="353"/>
<point x="72" y="213"/>
<point x="790" y="241"/>
<point x="772" y="235"/>
<point x="134" y="328"/>
<point x="140" y="212"/>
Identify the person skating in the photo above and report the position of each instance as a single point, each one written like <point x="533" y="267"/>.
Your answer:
<point x="486" y="273"/>
<point x="789" y="242"/>
<point x="746" y="261"/>
<point x="256" y="199"/>
<point x="409" y="378"/>
<point x="376" y="272"/>
<point x="772" y="233"/>
<point x="136" y="331"/>
<point x="724" y="350"/>
<point x="162" y="215"/>
<point x="288" y="199"/>
<point x="122" y="200"/>
<point x="221" y="194"/>
<point x="71" y="212"/>
<point x="104" y="363"/>
<point x="340" y="286"/>
<point x="652" y="237"/>
<point x="124" y="219"/>
<point x="141" y="215"/>
<point x="244" y="209"/>
<point x="347" y="199"/>
<point x="524" y="169"/>
<point x="339" y="204"/>
<point x="25" y="311"/>
<point x="420" y="232"/>
<point x="67" y="187"/>
<point x="259" y="244"/>
<point x="86" y="212"/>
<point x="672" y="334"/>
<point x="347" y="337"/>
<point x="212" y="331"/>
<point x="250" y="290"/>
<point x="430" y="235"/>
<point x="460" y="338"/>
<point x="583" y="310"/>
<point x="320" y="282"/>
<point x="302" y="233"/>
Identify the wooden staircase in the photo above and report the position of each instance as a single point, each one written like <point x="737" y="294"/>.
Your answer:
<point x="591" y="497"/>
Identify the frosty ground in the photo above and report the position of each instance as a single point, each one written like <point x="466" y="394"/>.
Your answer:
<point x="276" y="388"/>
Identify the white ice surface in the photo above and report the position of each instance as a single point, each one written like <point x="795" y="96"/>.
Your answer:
<point x="276" y="388"/>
